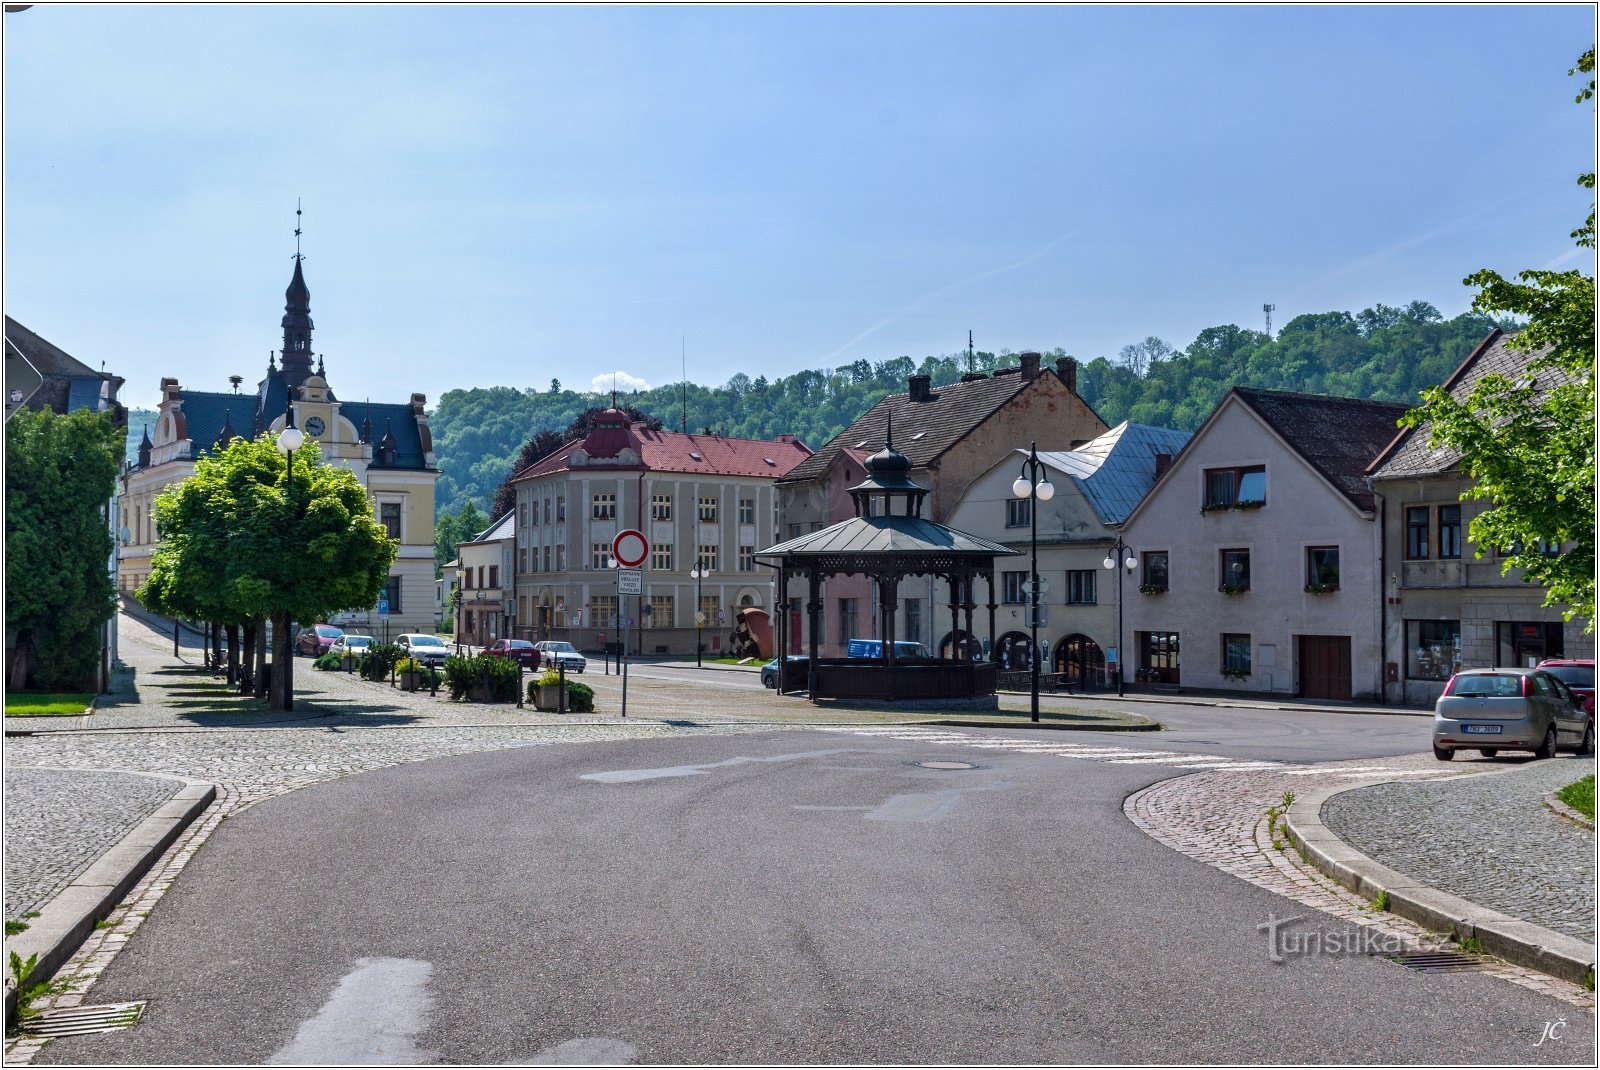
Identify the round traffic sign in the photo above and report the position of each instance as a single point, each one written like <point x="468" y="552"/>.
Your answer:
<point x="630" y="548"/>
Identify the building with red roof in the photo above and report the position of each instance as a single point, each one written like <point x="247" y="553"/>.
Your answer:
<point x="702" y="501"/>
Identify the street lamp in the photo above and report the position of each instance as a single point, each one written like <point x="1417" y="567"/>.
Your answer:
<point x="1129" y="563"/>
<point x="289" y="440"/>
<point x="1033" y="485"/>
<point x="698" y="573"/>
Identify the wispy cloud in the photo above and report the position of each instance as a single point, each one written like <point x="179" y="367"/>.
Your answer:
<point x="941" y="291"/>
<point x="617" y="381"/>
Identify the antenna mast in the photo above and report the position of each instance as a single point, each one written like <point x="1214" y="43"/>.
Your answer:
<point x="683" y="353"/>
<point x="1268" y="310"/>
<point x="971" y="360"/>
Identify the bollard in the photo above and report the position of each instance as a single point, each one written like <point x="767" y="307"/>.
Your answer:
<point x="561" y="699"/>
<point x="392" y="664"/>
<point x="521" y="689"/>
<point x="433" y="682"/>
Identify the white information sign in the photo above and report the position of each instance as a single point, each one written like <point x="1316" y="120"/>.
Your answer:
<point x="630" y="581"/>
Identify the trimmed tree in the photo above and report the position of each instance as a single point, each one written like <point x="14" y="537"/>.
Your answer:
<point x="60" y="473"/>
<point x="240" y="542"/>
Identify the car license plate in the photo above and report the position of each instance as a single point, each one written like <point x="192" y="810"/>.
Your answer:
<point x="1481" y="729"/>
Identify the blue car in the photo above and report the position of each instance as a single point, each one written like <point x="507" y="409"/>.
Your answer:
<point x="769" y="671"/>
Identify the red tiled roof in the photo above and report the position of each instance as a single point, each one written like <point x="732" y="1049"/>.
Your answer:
<point x="669" y="451"/>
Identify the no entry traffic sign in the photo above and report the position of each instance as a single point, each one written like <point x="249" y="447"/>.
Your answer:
<point x="630" y="548"/>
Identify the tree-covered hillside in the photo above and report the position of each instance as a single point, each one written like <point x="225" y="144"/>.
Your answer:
<point x="1386" y="353"/>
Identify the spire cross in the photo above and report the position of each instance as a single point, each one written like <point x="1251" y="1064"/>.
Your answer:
<point x="297" y="228"/>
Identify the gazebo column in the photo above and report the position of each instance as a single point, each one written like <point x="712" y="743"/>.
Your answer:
<point x="780" y="628"/>
<point x="954" y="579"/>
<point x="967" y="603"/>
<point x="888" y="585"/>
<point x="814" y="612"/>
<point x="993" y="639"/>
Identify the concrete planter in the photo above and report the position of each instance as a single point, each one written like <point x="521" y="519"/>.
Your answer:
<point x="547" y="697"/>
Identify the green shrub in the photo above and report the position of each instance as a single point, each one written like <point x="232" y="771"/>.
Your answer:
<point x="326" y="662"/>
<point x="580" y="697"/>
<point x="379" y="659"/>
<point x="496" y="674"/>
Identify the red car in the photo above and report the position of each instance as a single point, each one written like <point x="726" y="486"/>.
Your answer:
<point x="316" y="640"/>
<point x="1578" y="675"/>
<point x="520" y="649"/>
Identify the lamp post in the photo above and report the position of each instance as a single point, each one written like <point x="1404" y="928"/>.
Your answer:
<point x="289" y="440"/>
<point x="697" y="574"/>
<point x="1120" y="552"/>
<point x="1032" y="485"/>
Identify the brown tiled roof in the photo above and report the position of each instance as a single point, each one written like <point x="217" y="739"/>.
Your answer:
<point x="923" y="430"/>
<point x="1338" y="437"/>
<point x="1408" y="453"/>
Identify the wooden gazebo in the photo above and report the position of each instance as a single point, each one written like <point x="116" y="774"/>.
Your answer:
<point x="888" y="540"/>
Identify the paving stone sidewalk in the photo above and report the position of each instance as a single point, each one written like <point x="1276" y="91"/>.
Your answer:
<point x="57" y="823"/>
<point x="1489" y="839"/>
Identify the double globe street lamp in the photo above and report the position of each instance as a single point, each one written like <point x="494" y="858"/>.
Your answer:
<point x="1035" y="487"/>
<point x="1120" y="552"/>
<point x="698" y="573"/>
<point x="289" y="440"/>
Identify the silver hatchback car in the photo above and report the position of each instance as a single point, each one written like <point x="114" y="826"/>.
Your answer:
<point x="1491" y="710"/>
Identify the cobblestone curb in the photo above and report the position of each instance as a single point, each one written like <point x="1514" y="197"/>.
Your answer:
<point x="1516" y="941"/>
<point x="1563" y="810"/>
<point x="67" y="919"/>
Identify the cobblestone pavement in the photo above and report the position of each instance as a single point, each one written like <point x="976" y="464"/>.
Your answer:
<point x="1486" y="838"/>
<point x="57" y="823"/>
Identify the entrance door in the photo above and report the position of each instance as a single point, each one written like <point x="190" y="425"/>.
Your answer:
<point x="1325" y="666"/>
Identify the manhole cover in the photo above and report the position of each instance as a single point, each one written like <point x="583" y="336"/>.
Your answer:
<point x="75" y="1021"/>
<point x="945" y="765"/>
<point x="1437" y="961"/>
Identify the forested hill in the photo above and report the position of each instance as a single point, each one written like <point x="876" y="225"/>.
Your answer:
<point x="1385" y="353"/>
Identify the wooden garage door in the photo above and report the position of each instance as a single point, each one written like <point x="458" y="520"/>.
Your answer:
<point x="1325" y="666"/>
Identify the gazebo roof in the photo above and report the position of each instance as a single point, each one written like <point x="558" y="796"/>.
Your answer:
<point x="878" y="539"/>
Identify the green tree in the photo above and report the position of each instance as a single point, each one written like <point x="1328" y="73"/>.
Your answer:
<point x="1528" y="444"/>
<point x="60" y="473"/>
<point x="471" y="521"/>
<point x="239" y="541"/>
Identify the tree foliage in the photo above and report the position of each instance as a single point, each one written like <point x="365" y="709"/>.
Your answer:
<point x="239" y="542"/>
<point x="1388" y="353"/>
<point x="60" y="473"/>
<point x="1528" y="444"/>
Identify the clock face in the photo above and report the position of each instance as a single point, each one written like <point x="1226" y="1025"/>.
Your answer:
<point x="315" y="427"/>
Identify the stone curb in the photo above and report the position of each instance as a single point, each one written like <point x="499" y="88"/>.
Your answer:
<point x="63" y="922"/>
<point x="1563" y="810"/>
<point x="1520" y="942"/>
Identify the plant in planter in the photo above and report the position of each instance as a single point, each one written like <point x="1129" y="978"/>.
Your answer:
<point x="1236" y="674"/>
<point x="1213" y="507"/>
<point x="483" y="678"/>
<point x="1232" y="588"/>
<point x="1321" y="588"/>
<point x="326" y="662"/>
<point x="545" y="690"/>
<point x="1152" y="588"/>
<point x="1251" y="503"/>
<point x="379" y="659"/>
<point x="580" y="697"/>
<point x="410" y="671"/>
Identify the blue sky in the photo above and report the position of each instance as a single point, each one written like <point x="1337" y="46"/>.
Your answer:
<point x="505" y="195"/>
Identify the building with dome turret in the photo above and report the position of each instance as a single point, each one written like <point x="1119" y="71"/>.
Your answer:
<point x="386" y="445"/>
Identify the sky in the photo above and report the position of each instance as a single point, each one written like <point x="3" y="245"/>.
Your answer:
<point x="507" y="195"/>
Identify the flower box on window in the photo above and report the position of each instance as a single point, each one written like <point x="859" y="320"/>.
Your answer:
<point x="1321" y="588"/>
<point x="1236" y="674"/>
<point x="1152" y="588"/>
<point x="1233" y="588"/>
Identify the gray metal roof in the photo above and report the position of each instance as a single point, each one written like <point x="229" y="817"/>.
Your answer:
<point x="882" y="535"/>
<point x="1116" y="469"/>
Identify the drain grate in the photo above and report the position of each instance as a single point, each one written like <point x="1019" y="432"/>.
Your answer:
<point x="945" y="765"/>
<point x="1438" y="961"/>
<point x="75" y="1021"/>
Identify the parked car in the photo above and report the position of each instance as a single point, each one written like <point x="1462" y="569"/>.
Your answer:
<point x="553" y="653"/>
<point x="351" y="644"/>
<point x="316" y="640"/>
<point x="428" y="649"/>
<point x="1578" y="674"/>
<point x="873" y="648"/>
<point x="520" y="649"/>
<point x="769" y="671"/>
<point x="1491" y="710"/>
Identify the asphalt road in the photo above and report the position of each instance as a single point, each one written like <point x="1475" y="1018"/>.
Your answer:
<point x="781" y="897"/>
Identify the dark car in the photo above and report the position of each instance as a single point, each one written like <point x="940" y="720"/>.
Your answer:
<point x="316" y="640"/>
<point x="520" y="649"/>
<point x="1577" y="674"/>
<point x="769" y="671"/>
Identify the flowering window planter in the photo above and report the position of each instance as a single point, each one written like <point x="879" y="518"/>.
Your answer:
<point x="1231" y="589"/>
<point x="1321" y="588"/>
<point x="1152" y="588"/>
<point x="1218" y="507"/>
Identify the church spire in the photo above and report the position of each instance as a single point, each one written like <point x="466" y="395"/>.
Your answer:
<point x="297" y="319"/>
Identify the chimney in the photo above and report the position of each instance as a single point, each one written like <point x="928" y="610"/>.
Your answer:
<point x="1163" y="464"/>
<point x="1067" y="368"/>
<point x="1030" y="367"/>
<point x="921" y="387"/>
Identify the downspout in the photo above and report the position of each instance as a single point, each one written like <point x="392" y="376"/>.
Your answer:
<point x="1383" y="591"/>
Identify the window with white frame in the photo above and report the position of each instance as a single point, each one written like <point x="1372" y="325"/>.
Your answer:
<point x="603" y="505"/>
<point x="661" y="556"/>
<point x="599" y="555"/>
<point x="708" y="508"/>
